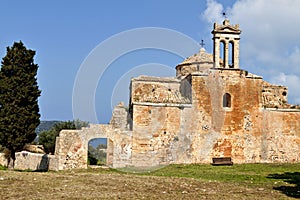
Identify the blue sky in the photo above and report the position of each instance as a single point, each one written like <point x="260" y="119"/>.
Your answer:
<point x="64" y="33"/>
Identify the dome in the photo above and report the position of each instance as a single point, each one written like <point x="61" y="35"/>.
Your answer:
<point x="195" y="63"/>
<point x="201" y="57"/>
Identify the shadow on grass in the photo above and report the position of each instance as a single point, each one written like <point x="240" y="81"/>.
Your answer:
<point x="291" y="178"/>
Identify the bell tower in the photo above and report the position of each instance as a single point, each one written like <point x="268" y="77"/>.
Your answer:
<point x="226" y="45"/>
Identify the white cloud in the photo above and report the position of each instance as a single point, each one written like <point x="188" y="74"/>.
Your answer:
<point x="213" y="12"/>
<point x="279" y="79"/>
<point x="270" y="44"/>
<point x="271" y="26"/>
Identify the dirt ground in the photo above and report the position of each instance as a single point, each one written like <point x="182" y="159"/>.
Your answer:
<point x="112" y="185"/>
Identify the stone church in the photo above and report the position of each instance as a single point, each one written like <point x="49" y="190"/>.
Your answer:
<point x="211" y="109"/>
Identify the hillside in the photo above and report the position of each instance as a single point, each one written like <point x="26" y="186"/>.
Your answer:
<point x="45" y="126"/>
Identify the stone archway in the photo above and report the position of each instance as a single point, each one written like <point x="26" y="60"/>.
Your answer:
<point x="107" y="149"/>
<point x="97" y="152"/>
<point x="71" y="148"/>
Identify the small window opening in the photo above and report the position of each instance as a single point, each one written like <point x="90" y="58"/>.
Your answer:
<point x="222" y="54"/>
<point x="284" y="93"/>
<point x="227" y="100"/>
<point x="231" y="55"/>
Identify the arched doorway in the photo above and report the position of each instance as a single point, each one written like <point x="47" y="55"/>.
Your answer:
<point x="97" y="151"/>
<point x="100" y="152"/>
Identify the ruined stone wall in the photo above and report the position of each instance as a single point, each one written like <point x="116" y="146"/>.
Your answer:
<point x="71" y="150"/>
<point x="72" y="146"/>
<point x="32" y="161"/>
<point x="274" y="96"/>
<point x="156" y="90"/>
<point x="120" y="117"/>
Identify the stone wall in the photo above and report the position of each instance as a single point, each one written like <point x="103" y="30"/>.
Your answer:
<point x="264" y="136"/>
<point x="120" y="118"/>
<point x="197" y="132"/>
<point x="274" y="96"/>
<point x="72" y="146"/>
<point x="32" y="161"/>
<point x="281" y="135"/>
<point x="3" y="160"/>
<point x="193" y="126"/>
<point x="157" y="90"/>
<point x="154" y="131"/>
<point x="168" y="130"/>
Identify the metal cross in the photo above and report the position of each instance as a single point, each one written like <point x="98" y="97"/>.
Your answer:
<point x="202" y="43"/>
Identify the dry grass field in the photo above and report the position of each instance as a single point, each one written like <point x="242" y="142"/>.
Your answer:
<point x="262" y="181"/>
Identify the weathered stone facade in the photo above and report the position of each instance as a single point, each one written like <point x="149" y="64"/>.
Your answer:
<point x="212" y="108"/>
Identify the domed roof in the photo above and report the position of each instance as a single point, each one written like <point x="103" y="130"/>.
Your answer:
<point x="201" y="57"/>
<point x="198" y="62"/>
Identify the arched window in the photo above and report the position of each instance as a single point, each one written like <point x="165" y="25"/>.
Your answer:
<point x="227" y="100"/>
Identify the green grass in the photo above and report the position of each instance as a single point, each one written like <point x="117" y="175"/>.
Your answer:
<point x="195" y="181"/>
<point x="238" y="173"/>
<point x="3" y="168"/>
<point x="282" y="177"/>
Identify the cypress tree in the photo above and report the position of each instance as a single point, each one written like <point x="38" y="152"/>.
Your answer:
<point x="19" y="92"/>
